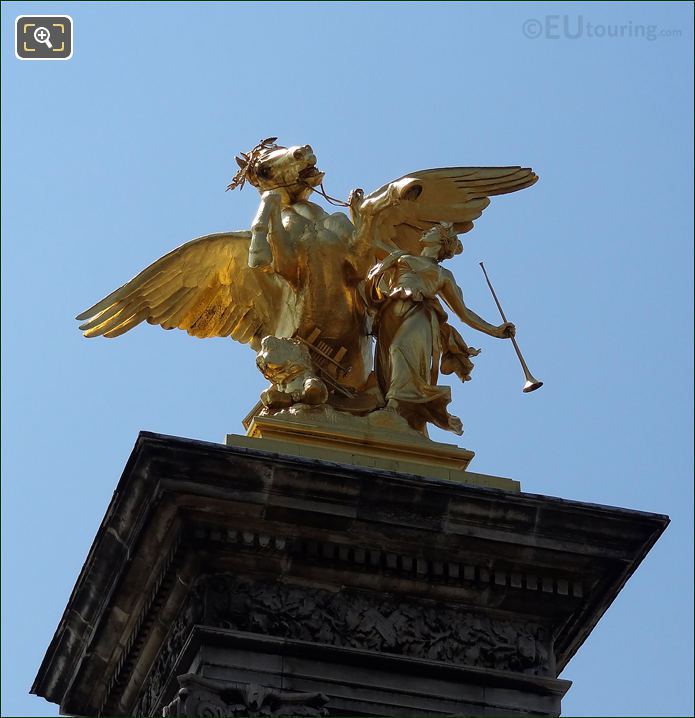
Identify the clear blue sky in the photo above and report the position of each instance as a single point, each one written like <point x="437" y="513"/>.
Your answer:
<point x="123" y="152"/>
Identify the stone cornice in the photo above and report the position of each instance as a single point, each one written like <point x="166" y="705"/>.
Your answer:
<point x="487" y="548"/>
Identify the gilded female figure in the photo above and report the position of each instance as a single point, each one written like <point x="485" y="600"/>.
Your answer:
<point x="414" y="339"/>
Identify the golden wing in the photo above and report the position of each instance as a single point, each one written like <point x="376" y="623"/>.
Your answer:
<point x="448" y="194"/>
<point x="205" y="287"/>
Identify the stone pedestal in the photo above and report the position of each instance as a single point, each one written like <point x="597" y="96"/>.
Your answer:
<point x="228" y="580"/>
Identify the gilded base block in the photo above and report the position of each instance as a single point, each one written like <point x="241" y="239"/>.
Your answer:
<point x="382" y="439"/>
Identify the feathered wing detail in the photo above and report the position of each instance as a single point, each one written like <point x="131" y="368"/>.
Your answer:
<point x="448" y="194"/>
<point x="205" y="287"/>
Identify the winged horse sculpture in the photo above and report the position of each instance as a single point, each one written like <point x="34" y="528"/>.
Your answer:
<point x="295" y="275"/>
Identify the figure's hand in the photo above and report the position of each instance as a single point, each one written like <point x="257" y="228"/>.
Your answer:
<point x="506" y="330"/>
<point x="355" y="198"/>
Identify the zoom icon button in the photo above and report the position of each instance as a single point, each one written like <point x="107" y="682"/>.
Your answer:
<point x="43" y="37"/>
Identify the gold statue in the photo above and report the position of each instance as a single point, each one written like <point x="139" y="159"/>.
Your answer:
<point x="298" y="274"/>
<point x="412" y="333"/>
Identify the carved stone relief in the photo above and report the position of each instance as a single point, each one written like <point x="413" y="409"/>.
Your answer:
<point x="204" y="697"/>
<point x="190" y="614"/>
<point x="384" y="623"/>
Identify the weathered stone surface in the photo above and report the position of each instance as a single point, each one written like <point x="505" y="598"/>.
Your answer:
<point x="377" y="622"/>
<point x="388" y="594"/>
<point x="205" y="697"/>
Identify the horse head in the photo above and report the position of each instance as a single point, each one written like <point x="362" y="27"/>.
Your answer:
<point x="290" y="170"/>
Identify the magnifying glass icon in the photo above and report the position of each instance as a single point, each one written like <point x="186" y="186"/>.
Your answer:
<point x="42" y="35"/>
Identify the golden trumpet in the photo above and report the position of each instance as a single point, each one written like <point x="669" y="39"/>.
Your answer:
<point x="531" y="382"/>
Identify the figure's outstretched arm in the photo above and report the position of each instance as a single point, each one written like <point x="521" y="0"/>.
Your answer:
<point x="368" y="238"/>
<point x="452" y="295"/>
<point x="361" y="240"/>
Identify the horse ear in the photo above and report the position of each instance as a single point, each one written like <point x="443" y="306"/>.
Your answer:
<point x="241" y="163"/>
